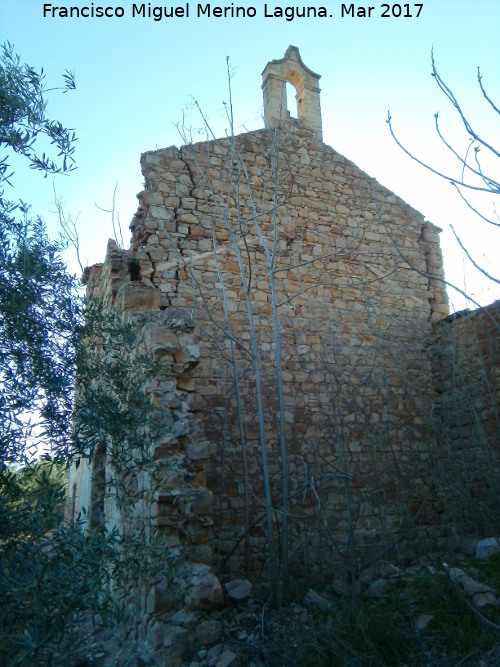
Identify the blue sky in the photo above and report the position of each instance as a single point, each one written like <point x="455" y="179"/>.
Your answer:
<point x="136" y="75"/>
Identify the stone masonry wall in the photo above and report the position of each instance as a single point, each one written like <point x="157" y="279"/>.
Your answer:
<point x="287" y="297"/>
<point x="158" y="497"/>
<point x="466" y="357"/>
<point x="355" y="306"/>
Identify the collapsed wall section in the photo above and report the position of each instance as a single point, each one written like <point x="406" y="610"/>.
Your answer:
<point x="142" y="474"/>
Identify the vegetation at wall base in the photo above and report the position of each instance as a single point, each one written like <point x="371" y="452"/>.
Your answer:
<point x="421" y="619"/>
<point x="376" y="631"/>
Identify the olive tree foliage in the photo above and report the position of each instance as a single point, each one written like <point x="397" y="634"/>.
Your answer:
<point x="39" y="313"/>
<point x="38" y="298"/>
<point x="48" y="570"/>
<point x="24" y="120"/>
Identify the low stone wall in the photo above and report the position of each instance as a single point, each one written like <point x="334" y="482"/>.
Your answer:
<point x="466" y="357"/>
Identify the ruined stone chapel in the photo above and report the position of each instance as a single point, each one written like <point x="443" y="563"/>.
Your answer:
<point x="318" y="406"/>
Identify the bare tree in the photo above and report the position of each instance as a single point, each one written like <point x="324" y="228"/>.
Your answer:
<point x="278" y="268"/>
<point x="474" y="177"/>
<point x="466" y="347"/>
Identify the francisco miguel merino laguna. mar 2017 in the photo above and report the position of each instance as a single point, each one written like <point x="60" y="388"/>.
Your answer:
<point x="200" y="10"/>
<point x="289" y="13"/>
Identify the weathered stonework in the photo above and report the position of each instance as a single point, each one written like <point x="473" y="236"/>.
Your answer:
<point x="291" y="69"/>
<point x="466" y="358"/>
<point x="270" y="254"/>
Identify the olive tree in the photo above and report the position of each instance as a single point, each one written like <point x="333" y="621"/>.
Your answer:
<point x="50" y="571"/>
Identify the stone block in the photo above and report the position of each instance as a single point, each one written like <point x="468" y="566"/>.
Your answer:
<point x="178" y="319"/>
<point x="181" y="427"/>
<point x="200" y="450"/>
<point x="227" y="659"/>
<point x="160" y="339"/>
<point x="205" y="591"/>
<point x="137" y="297"/>
<point x="209" y="632"/>
<point x="200" y="553"/>
<point x="186" y="383"/>
<point x="203" y="503"/>
<point x="488" y="547"/>
<point x="196" y="402"/>
<point x="161" y="600"/>
<point x="238" y="590"/>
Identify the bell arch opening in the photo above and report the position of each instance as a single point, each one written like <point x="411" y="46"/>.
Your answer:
<point x="291" y="100"/>
<point x="278" y="104"/>
<point x="295" y="82"/>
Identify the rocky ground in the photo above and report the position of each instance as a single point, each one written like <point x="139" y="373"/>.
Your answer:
<point x="410" y="603"/>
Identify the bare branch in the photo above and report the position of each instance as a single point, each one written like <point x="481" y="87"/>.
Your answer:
<point x="472" y="208"/>
<point x="485" y="95"/>
<point x="471" y="260"/>
<point x="447" y="91"/>
<point x="451" y="179"/>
